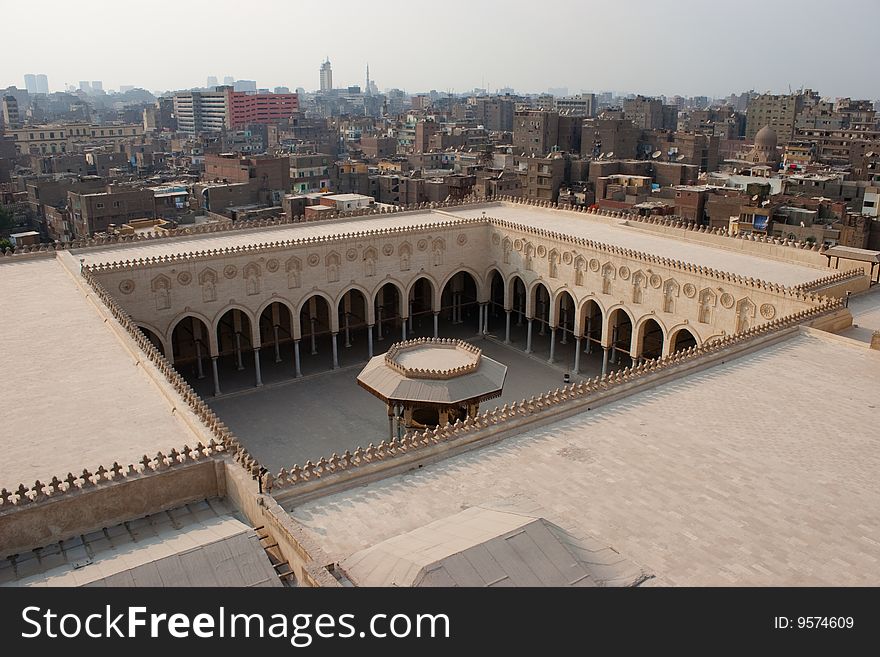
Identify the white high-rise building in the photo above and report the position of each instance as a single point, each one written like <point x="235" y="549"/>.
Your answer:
<point x="326" y="76"/>
<point x="30" y="83"/>
<point x="201" y="111"/>
<point x="42" y="83"/>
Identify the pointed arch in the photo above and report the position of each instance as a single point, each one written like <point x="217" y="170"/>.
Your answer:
<point x="681" y="337"/>
<point x="478" y="280"/>
<point x="649" y="337"/>
<point x="355" y="287"/>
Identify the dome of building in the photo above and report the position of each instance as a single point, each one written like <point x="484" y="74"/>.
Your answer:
<point x="766" y="138"/>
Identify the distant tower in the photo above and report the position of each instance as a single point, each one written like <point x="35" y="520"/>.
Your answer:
<point x="326" y="76"/>
<point x="367" y="88"/>
<point x="212" y="81"/>
<point x="30" y="83"/>
<point x="42" y="84"/>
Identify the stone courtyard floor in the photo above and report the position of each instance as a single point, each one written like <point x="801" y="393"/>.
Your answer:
<point x="289" y="421"/>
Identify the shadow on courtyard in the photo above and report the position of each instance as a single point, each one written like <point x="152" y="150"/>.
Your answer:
<point x="290" y="420"/>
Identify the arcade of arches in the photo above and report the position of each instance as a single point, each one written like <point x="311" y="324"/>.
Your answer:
<point x="284" y="341"/>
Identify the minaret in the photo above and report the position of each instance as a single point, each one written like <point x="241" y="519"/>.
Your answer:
<point x="367" y="91"/>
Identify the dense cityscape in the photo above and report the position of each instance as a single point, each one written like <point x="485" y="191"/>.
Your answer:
<point x="87" y="162"/>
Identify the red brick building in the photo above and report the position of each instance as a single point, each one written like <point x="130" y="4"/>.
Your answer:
<point x="261" y="108"/>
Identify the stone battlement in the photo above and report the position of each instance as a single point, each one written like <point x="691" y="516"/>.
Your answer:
<point x="392" y="358"/>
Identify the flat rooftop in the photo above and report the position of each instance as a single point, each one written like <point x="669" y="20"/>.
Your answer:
<point x="198" y="544"/>
<point x="247" y="237"/>
<point x="72" y="395"/>
<point x="759" y="471"/>
<point x="570" y="223"/>
<point x="639" y="239"/>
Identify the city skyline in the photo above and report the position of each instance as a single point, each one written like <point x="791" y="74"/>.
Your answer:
<point x="642" y="55"/>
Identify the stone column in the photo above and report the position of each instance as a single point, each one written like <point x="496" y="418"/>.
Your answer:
<point x="480" y="310"/>
<point x="199" y="359"/>
<point x="614" y="346"/>
<point x="529" y="338"/>
<point x="277" y="345"/>
<point x="436" y="324"/>
<point x="296" y="360"/>
<point x="313" y="321"/>
<point x="564" y="324"/>
<point x="238" y="351"/>
<point x="604" y="360"/>
<point x="577" y="355"/>
<point x="403" y="321"/>
<point x="369" y="341"/>
<point x="552" y="344"/>
<point x="390" y="422"/>
<point x="216" y="375"/>
<point x="485" y="318"/>
<point x="258" y="374"/>
<point x="542" y="331"/>
<point x="335" y="352"/>
<point x="589" y="348"/>
<point x="379" y="325"/>
<point x="347" y="331"/>
<point x="507" y="327"/>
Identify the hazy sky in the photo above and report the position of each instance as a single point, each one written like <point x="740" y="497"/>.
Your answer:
<point x="687" y="47"/>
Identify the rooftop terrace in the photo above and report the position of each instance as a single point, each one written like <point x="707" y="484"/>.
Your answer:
<point x="73" y="392"/>
<point x="759" y="471"/>
<point x="604" y="230"/>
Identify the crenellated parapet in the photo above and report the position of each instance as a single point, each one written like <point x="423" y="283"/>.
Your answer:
<point x="831" y="279"/>
<point x="102" y="477"/>
<point x="399" y="349"/>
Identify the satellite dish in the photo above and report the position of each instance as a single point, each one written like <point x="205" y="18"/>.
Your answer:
<point x="609" y="155"/>
<point x="870" y="154"/>
<point x="755" y="197"/>
<point x="679" y="158"/>
<point x="656" y="154"/>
